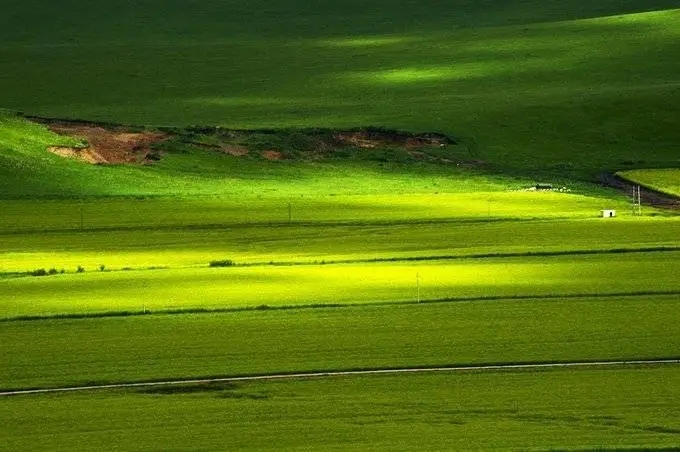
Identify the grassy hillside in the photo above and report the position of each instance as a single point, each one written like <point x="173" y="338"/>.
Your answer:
<point x="569" y="87"/>
<point x="106" y="21"/>
<point x="187" y="168"/>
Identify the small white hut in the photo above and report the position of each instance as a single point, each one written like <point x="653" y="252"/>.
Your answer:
<point x="608" y="213"/>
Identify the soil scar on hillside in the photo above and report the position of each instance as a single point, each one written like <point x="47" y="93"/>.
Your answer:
<point x="118" y="144"/>
<point x="106" y="146"/>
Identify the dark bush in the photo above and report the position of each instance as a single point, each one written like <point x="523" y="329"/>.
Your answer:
<point x="39" y="272"/>
<point x="154" y="155"/>
<point x="222" y="263"/>
<point x="80" y="269"/>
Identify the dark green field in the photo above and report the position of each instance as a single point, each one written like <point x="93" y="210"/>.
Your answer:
<point x="532" y="85"/>
<point x="617" y="409"/>
<point x="106" y="350"/>
<point x="339" y="186"/>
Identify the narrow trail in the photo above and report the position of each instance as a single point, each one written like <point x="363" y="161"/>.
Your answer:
<point x="648" y="196"/>
<point x="346" y="373"/>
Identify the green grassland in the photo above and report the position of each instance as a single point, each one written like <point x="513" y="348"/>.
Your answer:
<point x="29" y="171"/>
<point x="243" y="287"/>
<point x="344" y="259"/>
<point x="189" y="245"/>
<point x="61" y="352"/>
<point x="576" y="410"/>
<point x="663" y="180"/>
<point x="533" y="86"/>
<point x="386" y="208"/>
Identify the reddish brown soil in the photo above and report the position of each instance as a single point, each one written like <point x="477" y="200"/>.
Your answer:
<point x="112" y="144"/>
<point x="106" y="146"/>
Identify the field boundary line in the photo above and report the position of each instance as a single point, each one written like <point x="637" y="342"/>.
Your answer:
<point x="347" y="373"/>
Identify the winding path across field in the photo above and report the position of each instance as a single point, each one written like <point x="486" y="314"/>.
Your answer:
<point x="340" y="373"/>
<point x="649" y="196"/>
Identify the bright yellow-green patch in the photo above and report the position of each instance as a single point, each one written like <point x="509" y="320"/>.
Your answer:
<point x="663" y="180"/>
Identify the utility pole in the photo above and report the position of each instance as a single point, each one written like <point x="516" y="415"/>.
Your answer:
<point x="418" y="287"/>
<point x="637" y="200"/>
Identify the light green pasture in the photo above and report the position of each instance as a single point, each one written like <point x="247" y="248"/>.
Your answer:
<point x="189" y="246"/>
<point x="236" y="287"/>
<point x="585" y="409"/>
<point x="663" y="180"/>
<point x="46" y="215"/>
<point x="59" y="352"/>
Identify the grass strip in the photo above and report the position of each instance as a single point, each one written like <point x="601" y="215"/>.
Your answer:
<point x="73" y="352"/>
<point x="441" y="257"/>
<point x="192" y="384"/>
<point x="559" y="409"/>
<point x="239" y="287"/>
<point x="265" y="307"/>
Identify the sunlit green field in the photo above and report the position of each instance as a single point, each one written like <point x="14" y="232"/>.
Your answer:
<point x="623" y="408"/>
<point x="663" y="180"/>
<point x="354" y="260"/>
<point x="240" y="287"/>
<point x="225" y="213"/>
<point x="178" y="246"/>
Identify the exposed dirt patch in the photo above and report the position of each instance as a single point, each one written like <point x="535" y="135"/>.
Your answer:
<point x="107" y="146"/>
<point x="117" y="144"/>
<point x="272" y="155"/>
<point x="83" y="154"/>
<point x="648" y="196"/>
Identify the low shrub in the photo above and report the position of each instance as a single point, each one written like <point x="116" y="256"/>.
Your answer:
<point x="39" y="272"/>
<point x="222" y="263"/>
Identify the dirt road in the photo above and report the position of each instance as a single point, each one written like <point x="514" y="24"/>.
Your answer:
<point x="348" y="373"/>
